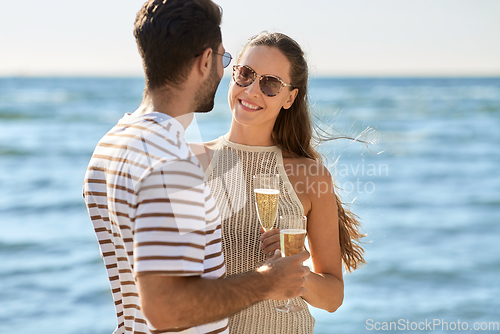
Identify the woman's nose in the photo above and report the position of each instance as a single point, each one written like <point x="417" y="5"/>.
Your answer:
<point x="254" y="88"/>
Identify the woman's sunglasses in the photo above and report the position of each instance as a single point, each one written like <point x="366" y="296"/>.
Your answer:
<point x="270" y="85"/>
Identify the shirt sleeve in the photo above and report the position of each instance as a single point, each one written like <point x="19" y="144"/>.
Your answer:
<point x="170" y="223"/>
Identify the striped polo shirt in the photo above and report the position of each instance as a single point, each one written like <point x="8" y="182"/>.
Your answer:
<point x="152" y="212"/>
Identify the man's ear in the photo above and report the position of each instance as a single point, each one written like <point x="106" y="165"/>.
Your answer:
<point x="291" y="98"/>
<point x="204" y="62"/>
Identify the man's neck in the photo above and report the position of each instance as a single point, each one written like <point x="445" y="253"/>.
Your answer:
<point x="174" y="105"/>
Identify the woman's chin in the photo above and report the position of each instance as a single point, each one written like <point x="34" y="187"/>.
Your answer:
<point x="246" y="119"/>
<point x="242" y="121"/>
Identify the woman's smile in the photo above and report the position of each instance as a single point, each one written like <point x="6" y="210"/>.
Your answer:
<point x="248" y="105"/>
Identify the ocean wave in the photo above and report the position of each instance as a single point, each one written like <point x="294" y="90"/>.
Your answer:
<point x="12" y="115"/>
<point x="397" y="275"/>
<point x="22" y="209"/>
<point x="13" y="247"/>
<point x="37" y="96"/>
<point x="23" y="258"/>
<point x="14" y="152"/>
<point x="7" y="151"/>
<point x="95" y="297"/>
<point x="487" y="202"/>
<point x="44" y="266"/>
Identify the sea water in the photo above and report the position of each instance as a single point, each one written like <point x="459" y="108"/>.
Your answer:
<point x="427" y="193"/>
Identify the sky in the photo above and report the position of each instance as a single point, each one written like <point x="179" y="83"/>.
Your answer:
<point x="340" y="37"/>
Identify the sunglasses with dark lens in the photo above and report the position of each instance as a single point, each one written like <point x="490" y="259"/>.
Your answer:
<point x="270" y="85"/>
<point x="226" y="58"/>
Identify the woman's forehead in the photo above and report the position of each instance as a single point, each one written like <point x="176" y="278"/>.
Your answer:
<point x="266" y="60"/>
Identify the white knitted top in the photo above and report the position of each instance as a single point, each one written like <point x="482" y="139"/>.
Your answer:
<point x="230" y="180"/>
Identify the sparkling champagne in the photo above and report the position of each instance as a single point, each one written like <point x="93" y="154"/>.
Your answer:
<point x="292" y="241"/>
<point x="267" y="206"/>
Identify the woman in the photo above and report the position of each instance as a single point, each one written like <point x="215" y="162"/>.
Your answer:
<point x="271" y="132"/>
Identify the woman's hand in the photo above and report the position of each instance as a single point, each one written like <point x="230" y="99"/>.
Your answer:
<point x="269" y="241"/>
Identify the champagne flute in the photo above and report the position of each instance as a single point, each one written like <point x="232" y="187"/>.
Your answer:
<point x="266" y="189"/>
<point x="292" y="237"/>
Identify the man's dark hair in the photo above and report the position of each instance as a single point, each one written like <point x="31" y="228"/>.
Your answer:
<point x="171" y="33"/>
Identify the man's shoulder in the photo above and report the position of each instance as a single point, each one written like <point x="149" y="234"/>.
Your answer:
<point x="151" y="129"/>
<point x="160" y="136"/>
<point x="134" y="146"/>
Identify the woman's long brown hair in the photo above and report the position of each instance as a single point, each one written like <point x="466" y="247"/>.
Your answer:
<point x="293" y="132"/>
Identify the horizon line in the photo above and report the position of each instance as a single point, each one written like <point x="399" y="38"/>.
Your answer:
<point x="313" y="76"/>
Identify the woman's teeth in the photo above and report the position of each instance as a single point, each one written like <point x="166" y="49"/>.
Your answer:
<point x="251" y="106"/>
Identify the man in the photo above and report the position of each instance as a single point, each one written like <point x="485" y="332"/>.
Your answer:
<point x="156" y="222"/>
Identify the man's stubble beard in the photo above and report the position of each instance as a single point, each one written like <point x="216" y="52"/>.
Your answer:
<point x="206" y="98"/>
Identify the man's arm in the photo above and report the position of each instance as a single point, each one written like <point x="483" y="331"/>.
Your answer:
<point x="170" y="302"/>
<point x="170" y="249"/>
